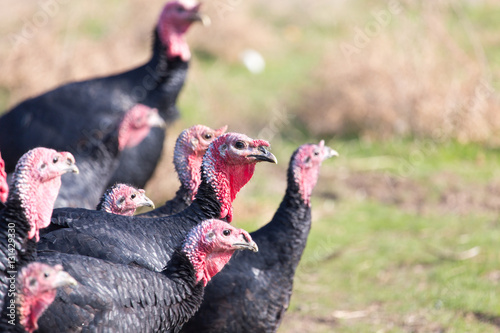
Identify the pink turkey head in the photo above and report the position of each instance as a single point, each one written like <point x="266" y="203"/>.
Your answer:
<point x="190" y="147"/>
<point x="175" y="19"/>
<point x="305" y="165"/>
<point x="4" y="186"/>
<point x="210" y="245"/>
<point x="137" y="124"/>
<point x="123" y="199"/>
<point x="36" y="183"/>
<point x="229" y="164"/>
<point x="37" y="286"/>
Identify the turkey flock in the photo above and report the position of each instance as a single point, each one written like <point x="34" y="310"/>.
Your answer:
<point x="75" y="258"/>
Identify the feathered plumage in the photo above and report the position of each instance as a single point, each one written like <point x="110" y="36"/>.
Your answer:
<point x="190" y="147"/>
<point x="63" y="117"/>
<point x="123" y="199"/>
<point x="122" y="298"/>
<point x="236" y="301"/>
<point x="149" y="242"/>
<point x="34" y="189"/>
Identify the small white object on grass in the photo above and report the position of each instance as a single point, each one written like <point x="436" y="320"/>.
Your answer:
<point x="253" y="61"/>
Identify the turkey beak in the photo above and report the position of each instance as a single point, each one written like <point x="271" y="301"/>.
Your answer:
<point x="264" y="155"/>
<point x="194" y="143"/>
<point x="198" y="17"/>
<point x="329" y="152"/>
<point x="155" y="120"/>
<point x="70" y="165"/>
<point x="246" y="244"/>
<point x="64" y="279"/>
<point x="145" y="201"/>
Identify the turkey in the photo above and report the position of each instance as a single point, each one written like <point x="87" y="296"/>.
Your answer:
<point x="98" y="158"/>
<point x="123" y="298"/>
<point x="228" y="165"/>
<point x="58" y="118"/>
<point x="4" y="186"/>
<point x="123" y="199"/>
<point x="34" y="189"/>
<point x="190" y="147"/>
<point x="36" y="287"/>
<point x="236" y="301"/>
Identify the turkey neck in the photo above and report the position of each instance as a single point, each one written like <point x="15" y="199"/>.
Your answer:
<point x="291" y="223"/>
<point x="158" y="64"/>
<point x="180" y="269"/>
<point x="162" y="78"/>
<point x="294" y="212"/>
<point x="206" y="200"/>
<point x="12" y="220"/>
<point x="221" y="182"/>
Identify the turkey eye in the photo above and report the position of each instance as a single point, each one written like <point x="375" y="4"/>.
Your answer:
<point x="226" y="232"/>
<point x="133" y="196"/>
<point x="180" y="9"/>
<point x="208" y="136"/>
<point x="55" y="160"/>
<point x="316" y="153"/>
<point x="46" y="275"/>
<point x="239" y="145"/>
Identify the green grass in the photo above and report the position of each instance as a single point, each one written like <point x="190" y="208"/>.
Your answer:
<point x="396" y="261"/>
<point x="234" y="90"/>
<point x="395" y="264"/>
<point x="398" y="265"/>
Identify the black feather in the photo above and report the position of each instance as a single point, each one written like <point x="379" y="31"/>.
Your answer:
<point x="146" y="242"/>
<point x="252" y="293"/>
<point x="119" y="298"/>
<point x="64" y="117"/>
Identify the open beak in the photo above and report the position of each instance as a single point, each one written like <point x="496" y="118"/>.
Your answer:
<point x="264" y="155"/>
<point x="155" y="120"/>
<point x="64" y="279"/>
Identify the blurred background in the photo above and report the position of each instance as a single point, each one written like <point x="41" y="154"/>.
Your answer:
<point x="405" y="222"/>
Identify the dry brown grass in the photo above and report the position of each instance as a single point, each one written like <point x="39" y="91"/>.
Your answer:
<point x="81" y="40"/>
<point x="414" y="78"/>
<point x="417" y="77"/>
<point x="233" y="30"/>
<point x="84" y="39"/>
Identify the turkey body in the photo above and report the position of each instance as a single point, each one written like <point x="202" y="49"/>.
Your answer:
<point x="119" y="298"/>
<point x="239" y="301"/>
<point x="68" y="116"/>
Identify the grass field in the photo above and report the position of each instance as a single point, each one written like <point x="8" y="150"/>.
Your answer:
<point x="406" y="221"/>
